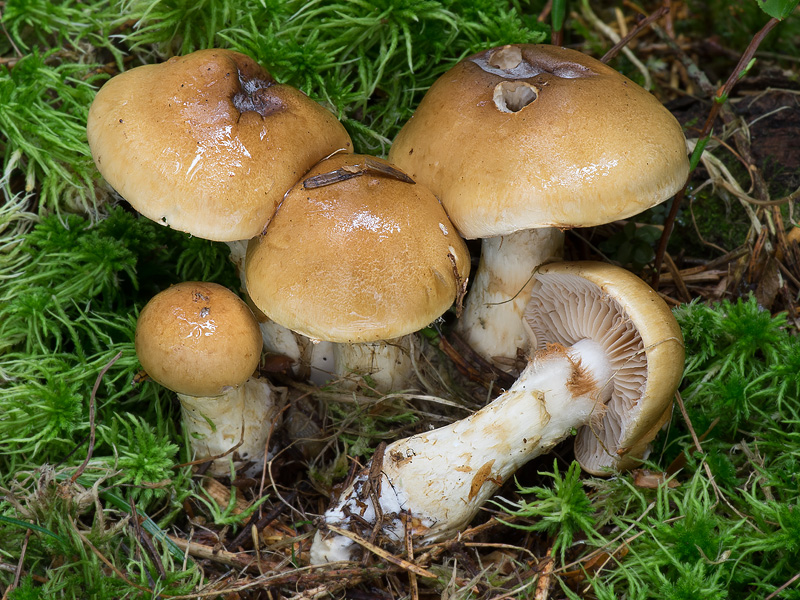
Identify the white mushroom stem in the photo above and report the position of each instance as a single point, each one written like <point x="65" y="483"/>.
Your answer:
<point x="238" y="250"/>
<point x="386" y="363"/>
<point x="313" y="360"/>
<point x="440" y="479"/>
<point x="492" y="319"/>
<point x="215" y="425"/>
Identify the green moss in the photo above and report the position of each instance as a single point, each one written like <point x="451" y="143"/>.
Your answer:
<point x="71" y="286"/>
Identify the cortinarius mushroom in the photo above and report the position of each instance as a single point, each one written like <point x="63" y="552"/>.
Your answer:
<point x="201" y="341"/>
<point x="358" y="254"/>
<point x="207" y="143"/>
<point x="644" y="349"/>
<point x="521" y="141"/>
<point x="625" y="354"/>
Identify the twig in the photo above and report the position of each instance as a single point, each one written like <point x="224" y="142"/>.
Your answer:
<point x="543" y="585"/>
<point x="720" y="99"/>
<point x="244" y="539"/>
<point x="688" y="422"/>
<point x="677" y="279"/>
<point x="548" y="6"/>
<point x="231" y="559"/>
<point x="267" y="466"/>
<point x="471" y="364"/>
<point x="18" y="571"/>
<point x="709" y="474"/>
<point x="655" y="16"/>
<point x="515" y="593"/>
<point x="783" y="587"/>
<point x="586" y="11"/>
<point x="433" y="551"/>
<point x="146" y="541"/>
<point x="10" y="41"/>
<point x="403" y="564"/>
<point x="742" y="196"/>
<point x="788" y="274"/>
<point x="89" y="452"/>
<point x="412" y="577"/>
<point x="741" y="68"/>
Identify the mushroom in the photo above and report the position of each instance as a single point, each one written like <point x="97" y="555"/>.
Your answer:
<point x="358" y="254"/>
<point x="522" y="141"/>
<point x="208" y="143"/>
<point x="646" y="354"/>
<point x="201" y="341"/>
<point x="624" y="354"/>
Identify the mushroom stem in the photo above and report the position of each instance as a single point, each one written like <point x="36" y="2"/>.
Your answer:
<point x="441" y="478"/>
<point x="492" y="322"/>
<point x="215" y="425"/>
<point x="387" y="363"/>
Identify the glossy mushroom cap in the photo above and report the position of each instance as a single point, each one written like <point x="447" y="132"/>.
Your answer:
<point x="207" y="143"/>
<point x="198" y="339"/>
<point x="530" y="136"/>
<point x="365" y="258"/>
<point x="575" y="301"/>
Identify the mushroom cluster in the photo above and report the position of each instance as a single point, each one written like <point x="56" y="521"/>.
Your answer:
<point x="347" y="256"/>
<point x="519" y="143"/>
<point x="342" y="257"/>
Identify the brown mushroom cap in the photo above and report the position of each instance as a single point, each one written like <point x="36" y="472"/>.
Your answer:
<point x="207" y="143"/>
<point x="577" y="300"/>
<point x="198" y="339"/>
<point x="529" y="136"/>
<point x="366" y="258"/>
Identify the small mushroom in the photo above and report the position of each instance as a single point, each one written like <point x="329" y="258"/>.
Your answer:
<point x="201" y="341"/>
<point x="357" y="254"/>
<point x="523" y="141"/>
<point x="625" y="354"/>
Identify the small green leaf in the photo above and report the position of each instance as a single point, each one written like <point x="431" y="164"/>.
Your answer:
<point x="778" y="9"/>
<point x="743" y="73"/>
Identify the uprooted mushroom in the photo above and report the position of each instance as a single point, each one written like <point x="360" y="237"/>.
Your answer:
<point x="522" y="141"/>
<point x="615" y="350"/>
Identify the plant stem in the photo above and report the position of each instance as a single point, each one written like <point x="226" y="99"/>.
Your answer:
<point x="720" y="99"/>
<point x="655" y="16"/>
